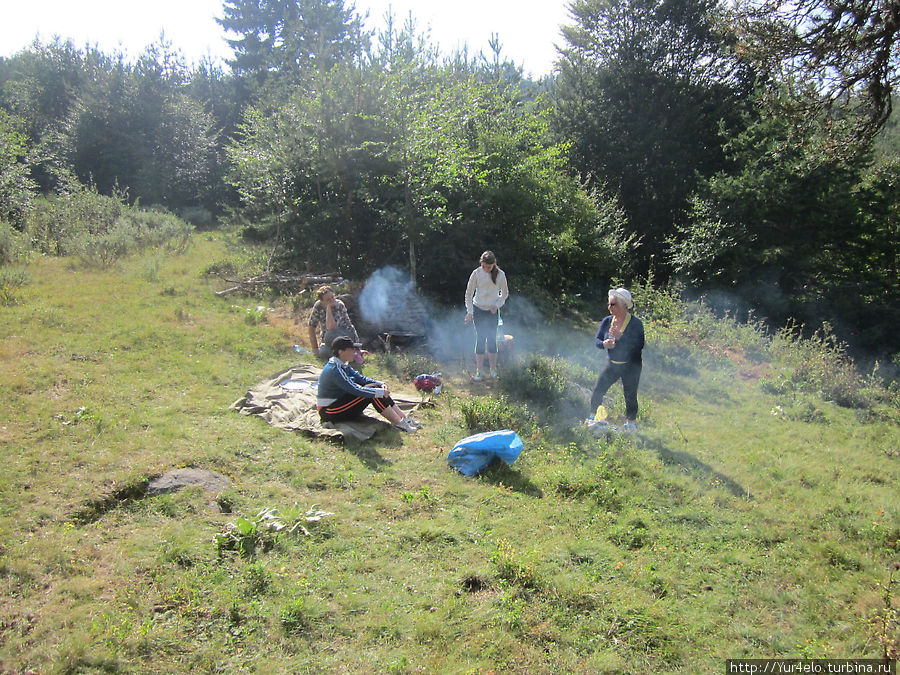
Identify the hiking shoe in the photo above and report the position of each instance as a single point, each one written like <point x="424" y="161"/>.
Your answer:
<point x="416" y="423"/>
<point x="629" y="426"/>
<point x="404" y="425"/>
<point x="477" y="377"/>
<point x="493" y="374"/>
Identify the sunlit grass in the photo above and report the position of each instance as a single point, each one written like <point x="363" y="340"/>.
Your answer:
<point x="741" y="521"/>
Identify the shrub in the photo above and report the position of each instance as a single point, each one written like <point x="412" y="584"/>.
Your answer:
<point x="13" y="245"/>
<point x="491" y="414"/>
<point x="11" y="280"/>
<point x="552" y="383"/>
<point x="101" y="229"/>
<point x="663" y="305"/>
<point x="198" y="216"/>
<point x="818" y="364"/>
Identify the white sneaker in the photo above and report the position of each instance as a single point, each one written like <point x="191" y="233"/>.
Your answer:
<point x="404" y="425"/>
<point x="477" y="377"/>
<point x="416" y="423"/>
<point x="629" y="426"/>
<point x="493" y="374"/>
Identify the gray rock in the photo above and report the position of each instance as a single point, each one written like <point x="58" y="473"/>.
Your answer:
<point x="182" y="478"/>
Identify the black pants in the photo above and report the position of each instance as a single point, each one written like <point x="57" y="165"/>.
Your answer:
<point x="350" y="406"/>
<point x="630" y="374"/>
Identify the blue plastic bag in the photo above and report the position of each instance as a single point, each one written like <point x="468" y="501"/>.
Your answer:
<point x="474" y="453"/>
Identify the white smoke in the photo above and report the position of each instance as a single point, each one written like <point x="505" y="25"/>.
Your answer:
<point x="390" y="303"/>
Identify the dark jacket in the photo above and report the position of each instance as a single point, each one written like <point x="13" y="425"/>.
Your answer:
<point x="629" y="346"/>
<point x="338" y="379"/>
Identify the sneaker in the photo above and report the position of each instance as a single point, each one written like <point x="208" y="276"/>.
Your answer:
<point x="477" y="377"/>
<point x="416" y="423"/>
<point x="629" y="426"/>
<point x="404" y="425"/>
<point x="493" y="374"/>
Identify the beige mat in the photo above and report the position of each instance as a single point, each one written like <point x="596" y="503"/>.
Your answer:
<point x="287" y="400"/>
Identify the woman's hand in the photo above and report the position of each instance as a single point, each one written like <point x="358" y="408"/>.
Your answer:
<point x="609" y="343"/>
<point x="468" y="319"/>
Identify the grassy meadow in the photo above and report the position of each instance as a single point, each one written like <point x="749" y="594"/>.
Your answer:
<point x="747" y="518"/>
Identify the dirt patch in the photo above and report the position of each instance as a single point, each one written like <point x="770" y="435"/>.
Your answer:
<point x="748" y="371"/>
<point x="754" y="373"/>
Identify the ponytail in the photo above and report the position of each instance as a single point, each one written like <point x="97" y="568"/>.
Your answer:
<point x="491" y="259"/>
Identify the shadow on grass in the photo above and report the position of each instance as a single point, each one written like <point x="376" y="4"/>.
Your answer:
<point x="694" y="467"/>
<point x="369" y="456"/>
<point x="367" y="451"/>
<point x="499" y="472"/>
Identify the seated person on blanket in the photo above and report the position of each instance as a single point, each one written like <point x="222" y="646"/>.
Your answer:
<point x="344" y="392"/>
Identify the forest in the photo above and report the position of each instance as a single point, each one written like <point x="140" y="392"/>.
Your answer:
<point x="744" y="154"/>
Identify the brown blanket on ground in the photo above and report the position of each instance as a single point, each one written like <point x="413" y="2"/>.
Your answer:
<point x="288" y="400"/>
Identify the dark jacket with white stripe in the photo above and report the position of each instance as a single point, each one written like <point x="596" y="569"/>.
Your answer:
<point x="339" y="379"/>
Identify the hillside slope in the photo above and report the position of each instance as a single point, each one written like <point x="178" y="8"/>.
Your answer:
<point x="741" y="521"/>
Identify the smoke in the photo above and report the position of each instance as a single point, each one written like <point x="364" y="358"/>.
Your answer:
<point x="387" y="288"/>
<point x="389" y="303"/>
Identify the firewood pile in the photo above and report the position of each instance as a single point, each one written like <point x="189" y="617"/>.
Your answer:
<point x="280" y="282"/>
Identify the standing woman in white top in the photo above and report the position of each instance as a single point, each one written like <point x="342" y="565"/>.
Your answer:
<point x="485" y="294"/>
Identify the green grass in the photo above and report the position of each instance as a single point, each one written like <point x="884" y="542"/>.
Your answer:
<point x="742" y="521"/>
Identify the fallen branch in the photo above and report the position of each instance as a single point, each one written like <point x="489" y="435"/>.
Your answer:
<point x="297" y="281"/>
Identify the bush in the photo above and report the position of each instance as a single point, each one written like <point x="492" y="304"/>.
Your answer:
<point x="818" y="364"/>
<point x="663" y="305"/>
<point x="12" y="244"/>
<point x="198" y="216"/>
<point x="11" y="280"/>
<point x="60" y="221"/>
<point x="493" y="414"/>
<point x="101" y="229"/>
<point x="552" y="383"/>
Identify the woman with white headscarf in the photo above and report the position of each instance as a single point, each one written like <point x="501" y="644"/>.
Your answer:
<point x="622" y="336"/>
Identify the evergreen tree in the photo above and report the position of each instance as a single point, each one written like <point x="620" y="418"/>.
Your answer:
<point x="288" y="39"/>
<point x="642" y="90"/>
<point x="797" y="232"/>
<point x="841" y="56"/>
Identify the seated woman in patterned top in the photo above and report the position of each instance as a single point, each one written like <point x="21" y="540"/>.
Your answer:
<point x="328" y="319"/>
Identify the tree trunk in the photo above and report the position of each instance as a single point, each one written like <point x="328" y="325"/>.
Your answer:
<point x="409" y="225"/>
